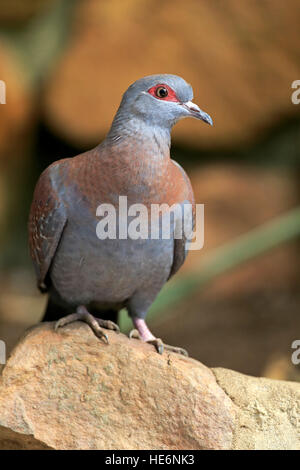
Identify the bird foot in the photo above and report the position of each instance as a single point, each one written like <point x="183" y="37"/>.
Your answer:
<point x="94" y="323"/>
<point x="159" y="345"/>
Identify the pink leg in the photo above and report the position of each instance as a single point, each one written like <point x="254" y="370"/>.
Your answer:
<point x="142" y="332"/>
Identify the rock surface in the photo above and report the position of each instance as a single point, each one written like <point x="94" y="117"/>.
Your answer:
<point x="268" y="414"/>
<point x="71" y="391"/>
<point x="68" y="390"/>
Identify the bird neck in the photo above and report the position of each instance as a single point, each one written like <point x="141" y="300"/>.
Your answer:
<point x="149" y="141"/>
<point x="139" y="156"/>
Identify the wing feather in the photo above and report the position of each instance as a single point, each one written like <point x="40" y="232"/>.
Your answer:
<point x="47" y="220"/>
<point x="180" y="244"/>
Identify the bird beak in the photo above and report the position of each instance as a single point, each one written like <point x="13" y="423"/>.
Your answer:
<point x="196" y="112"/>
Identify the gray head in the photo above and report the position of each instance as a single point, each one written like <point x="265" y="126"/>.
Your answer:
<point x="158" y="101"/>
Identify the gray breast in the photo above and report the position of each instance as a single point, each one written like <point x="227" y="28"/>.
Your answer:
<point x="86" y="269"/>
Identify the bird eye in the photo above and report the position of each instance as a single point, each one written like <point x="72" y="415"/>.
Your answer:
<point x="161" y="92"/>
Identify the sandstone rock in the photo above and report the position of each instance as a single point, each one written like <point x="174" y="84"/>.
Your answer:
<point x="268" y="411"/>
<point x="11" y="440"/>
<point x="69" y="390"/>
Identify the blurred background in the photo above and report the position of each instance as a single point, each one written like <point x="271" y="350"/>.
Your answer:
<point x="66" y="63"/>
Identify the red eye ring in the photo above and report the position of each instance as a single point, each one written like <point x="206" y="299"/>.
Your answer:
<point x="156" y="90"/>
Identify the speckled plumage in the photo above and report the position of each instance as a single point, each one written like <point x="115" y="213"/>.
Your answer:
<point x="75" y="266"/>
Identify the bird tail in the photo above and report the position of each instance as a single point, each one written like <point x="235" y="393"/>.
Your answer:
<point x="54" y="311"/>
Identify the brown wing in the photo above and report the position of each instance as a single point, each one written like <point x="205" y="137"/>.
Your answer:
<point x="180" y="245"/>
<point x="47" y="220"/>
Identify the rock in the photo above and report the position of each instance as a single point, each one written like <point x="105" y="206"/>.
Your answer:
<point x="268" y="411"/>
<point x="11" y="440"/>
<point x="69" y="390"/>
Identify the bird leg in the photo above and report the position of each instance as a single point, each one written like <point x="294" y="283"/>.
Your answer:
<point x="143" y="333"/>
<point x="95" y="324"/>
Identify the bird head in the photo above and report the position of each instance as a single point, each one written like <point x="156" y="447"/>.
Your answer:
<point x="161" y="100"/>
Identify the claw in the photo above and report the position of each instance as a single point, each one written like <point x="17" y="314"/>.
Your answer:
<point x="134" y="334"/>
<point x="113" y="326"/>
<point x="181" y="351"/>
<point x="104" y="335"/>
<point x="94" y="323"/>
<point x="143" y="333"/>
<point x="64" y="321"/>
<point x="158" y="344"/>
<point x="110" y="325"/>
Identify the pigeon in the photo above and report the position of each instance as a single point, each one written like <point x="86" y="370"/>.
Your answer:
<point x="85" y="274"/>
